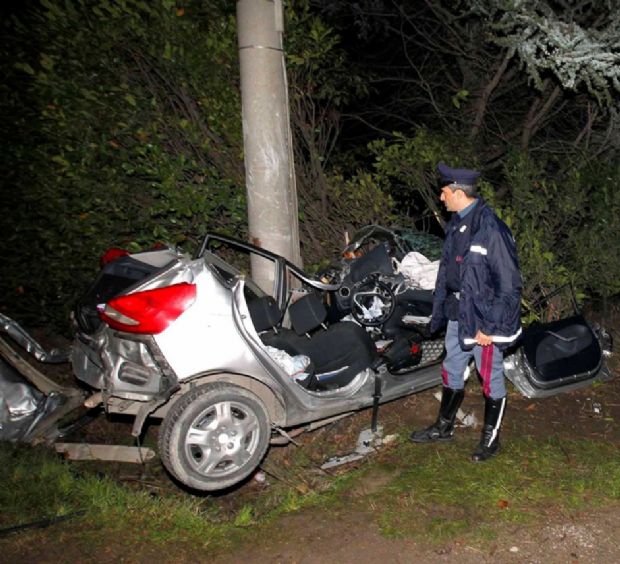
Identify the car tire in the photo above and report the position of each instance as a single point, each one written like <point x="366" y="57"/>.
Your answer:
<point x="214" y="436"/>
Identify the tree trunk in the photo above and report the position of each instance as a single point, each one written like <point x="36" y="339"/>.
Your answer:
<point x="485" y="96"/>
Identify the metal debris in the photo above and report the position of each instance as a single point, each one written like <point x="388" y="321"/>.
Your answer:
<point x="115" y="453"/>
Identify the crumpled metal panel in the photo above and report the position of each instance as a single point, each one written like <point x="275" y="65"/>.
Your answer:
<point x="86" y="361"/>
<point x="21" y="337"/>
<point x="129" y="368"/>
<point x="22" y="406"/>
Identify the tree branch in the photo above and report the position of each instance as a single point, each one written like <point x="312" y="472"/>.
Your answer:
<point x="486" y="95"/>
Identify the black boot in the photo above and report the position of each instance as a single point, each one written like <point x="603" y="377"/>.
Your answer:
<point x="489" y="443"/>
<point x="443" y="429"/>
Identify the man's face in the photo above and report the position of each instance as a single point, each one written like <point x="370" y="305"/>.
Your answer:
<point x="450" y="199"/>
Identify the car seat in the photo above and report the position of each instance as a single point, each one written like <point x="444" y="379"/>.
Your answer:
<point x="338" y="352"/>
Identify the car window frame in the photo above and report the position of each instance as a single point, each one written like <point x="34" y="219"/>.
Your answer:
<point x="282" y="267"/>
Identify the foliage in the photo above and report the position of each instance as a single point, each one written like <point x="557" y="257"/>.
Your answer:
<point x="537" y="213"/>
<point x="128" y="132"/>
<point x="125" y="121"/>
<point x="322" y="82"/>
<point x="566" y="228"/>
<point x="124" y="124"/>
<point x="592" y="245"/>
<point x="541" y="76"/>
<point x="405" y="166"/>
<point x="525" y="91"/>
<point x="577" y="41"/>
<point x="316" y="60"/>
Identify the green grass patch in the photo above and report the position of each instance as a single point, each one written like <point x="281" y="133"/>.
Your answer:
<point x="37" y="485"/>
<point x="439" y="495"/>
<point x="428" y="492"/>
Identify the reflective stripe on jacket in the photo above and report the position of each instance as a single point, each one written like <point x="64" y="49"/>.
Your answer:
<point x="490" y="295"/>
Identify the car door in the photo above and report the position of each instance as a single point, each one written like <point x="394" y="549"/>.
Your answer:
<point x="559" y="351"/>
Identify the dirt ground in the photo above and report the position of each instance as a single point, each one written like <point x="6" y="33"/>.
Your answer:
<point x="313" y="539"/>
<point x="310" y="536"/>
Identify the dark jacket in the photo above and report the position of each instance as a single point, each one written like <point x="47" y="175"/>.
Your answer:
<point x="490" y="294"/>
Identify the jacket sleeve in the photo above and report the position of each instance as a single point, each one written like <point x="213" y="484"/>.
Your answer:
<point x="502" y="313"/>
<point x="438" y="318"/>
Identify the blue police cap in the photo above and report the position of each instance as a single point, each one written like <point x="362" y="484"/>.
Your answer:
<point x="463" y="176"/>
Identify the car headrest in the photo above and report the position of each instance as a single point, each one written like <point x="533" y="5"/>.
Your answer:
<point x="307" y="313"/>
<point x="264" y="312"/>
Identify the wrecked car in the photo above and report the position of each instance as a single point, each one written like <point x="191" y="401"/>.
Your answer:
<point x="31" y="404"/>
<point x="230" y="368"/>
<point x="225" y="364"/>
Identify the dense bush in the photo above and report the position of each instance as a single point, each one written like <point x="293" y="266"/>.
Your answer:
<point x="125" y="127"/>
<point x="125" y="121"/>
<point x="565" y="218"/>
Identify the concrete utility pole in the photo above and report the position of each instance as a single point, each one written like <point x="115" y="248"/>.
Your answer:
<point x="270" y="179"/>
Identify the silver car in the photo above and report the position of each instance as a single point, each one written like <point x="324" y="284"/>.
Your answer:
<point x="227" y="366"/>
<point x="231" y="368"/>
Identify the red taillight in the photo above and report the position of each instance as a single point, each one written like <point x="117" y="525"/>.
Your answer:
<point x="111" y="255"/>
<point x="150" y="311"/>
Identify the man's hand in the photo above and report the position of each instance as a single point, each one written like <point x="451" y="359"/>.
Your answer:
<point x="483" y="340"/>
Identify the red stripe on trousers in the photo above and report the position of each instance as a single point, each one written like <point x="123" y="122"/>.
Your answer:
<point x="486" y="369"/>
<point x="444" y="376"/>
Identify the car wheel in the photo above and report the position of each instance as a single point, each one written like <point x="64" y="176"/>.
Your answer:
<point x="214" y="436"/>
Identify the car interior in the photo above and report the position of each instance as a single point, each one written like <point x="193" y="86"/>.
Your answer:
<point x="337" y="352"/>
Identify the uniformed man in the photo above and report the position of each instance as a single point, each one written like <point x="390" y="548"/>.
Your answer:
<point x="478" y="294"/>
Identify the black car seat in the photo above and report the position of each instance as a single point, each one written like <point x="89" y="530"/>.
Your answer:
<point x="338" y="352"/>
<point x="265" y="314"/>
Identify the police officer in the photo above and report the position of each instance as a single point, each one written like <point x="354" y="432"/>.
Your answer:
<point x="477" y="294"/>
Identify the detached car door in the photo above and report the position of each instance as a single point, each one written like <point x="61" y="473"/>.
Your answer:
<point x="559" y="355"/>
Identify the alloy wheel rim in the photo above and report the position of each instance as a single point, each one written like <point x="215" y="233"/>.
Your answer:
<point x="222" y="438"/>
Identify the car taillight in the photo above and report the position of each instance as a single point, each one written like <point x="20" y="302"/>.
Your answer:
<point x="111" y="255"/>
<point x="150" y="311"/>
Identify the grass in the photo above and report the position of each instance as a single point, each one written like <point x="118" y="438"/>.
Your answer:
<point x="439" y="495"/>
<point x="429" y="493"/>
<point x="37" y="485"/>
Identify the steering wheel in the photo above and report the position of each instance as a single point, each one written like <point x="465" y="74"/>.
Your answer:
<point x="372" y="303"/>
